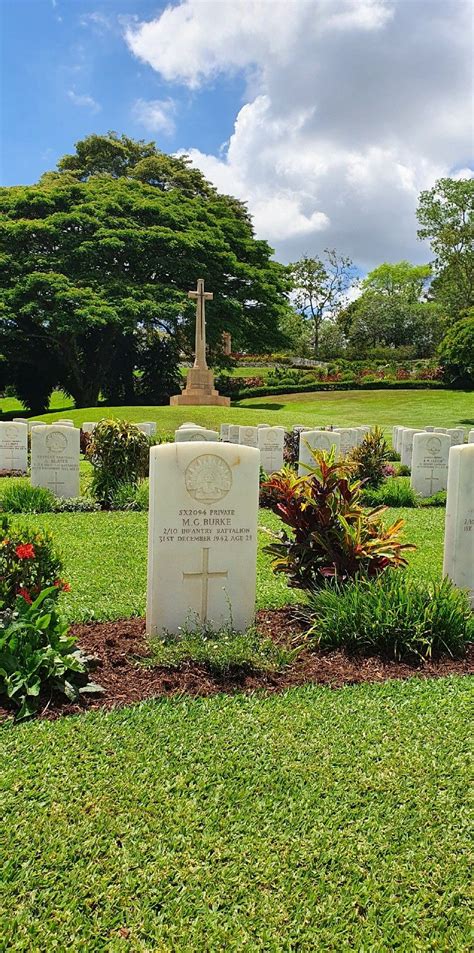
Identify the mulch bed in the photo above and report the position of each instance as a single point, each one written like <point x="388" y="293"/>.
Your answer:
<point x="118" y="644"/>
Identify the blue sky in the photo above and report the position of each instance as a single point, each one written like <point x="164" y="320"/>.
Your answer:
<point x="67" y="73"/>
<point x="328" y="117"/>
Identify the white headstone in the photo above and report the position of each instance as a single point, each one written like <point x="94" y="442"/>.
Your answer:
<point x="271" y="442"/>
<point x="144" y="427"/>
<point x="55" y="459"/>
<point x="457" y="436"/>
<point x="399" y="438"/>
<point x="202" y="543"/>
<point x="234" y="433"/>
<point x="407" y="445"/>
<point x="429" y="429"/>
<point x="187" y="424"/>
<point x="459" y="533"/>
<point x="35" y="423"/>
<point x="224" y="432"/>
<point x="429" y="463"/>
<point x="318" y="440"/>
<point x="89" y="426"/>
<point x="194" y="434"/>
<point x="65" y="422"/>
<point x="439" y="430"/>
<point x="262" y="426"/>
<point x="13" y="446"/>
<point x="349" y="439"/>
<point x="248" y="436"/>
<point x="152" y="427"/>
<point x="20" y="420"/>
<point x="470" y="438"/>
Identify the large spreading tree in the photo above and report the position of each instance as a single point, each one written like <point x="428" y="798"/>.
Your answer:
<point x="98" y="257"/>
<point x="446" y="218"/>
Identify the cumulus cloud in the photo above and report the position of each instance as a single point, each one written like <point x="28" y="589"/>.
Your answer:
<point x="352" y="107"/>
<point x="82" y="99"/>
<point x="155" y="114"/>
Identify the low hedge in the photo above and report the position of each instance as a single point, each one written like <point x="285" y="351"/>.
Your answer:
<point x="334" y="386"/>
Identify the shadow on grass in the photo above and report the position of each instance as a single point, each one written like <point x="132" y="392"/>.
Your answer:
<point x="259" y="406"/>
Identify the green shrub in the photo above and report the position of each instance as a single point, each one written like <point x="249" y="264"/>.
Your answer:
<point x="457" y="354"/>
<point x="395" y="615"/>
<point x="438" y="499"/>
<point x="403" y="470"/>
<point x="37" y="655"/>
<point x="28" y="563"/>
<point x="330" y="533"/>
<point x="226" y="652"/>
<point x="119" y="453"/>
<point x="370" y="458"/>
<point x="23" y="498"/>
<point x="393" y="492"/>
<point x="75" y="504"/>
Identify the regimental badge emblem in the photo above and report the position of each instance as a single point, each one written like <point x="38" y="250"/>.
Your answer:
<point x="433" y="445"/>
<point x="208" y="478"/>
<point x="56" y="442"/>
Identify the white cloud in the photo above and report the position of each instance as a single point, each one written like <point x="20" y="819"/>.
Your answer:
<point x="155" y="114"/>
<point x="82" y="99"/>
<point x="352" y="107"/>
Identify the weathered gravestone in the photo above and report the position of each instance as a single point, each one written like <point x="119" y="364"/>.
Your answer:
<point x="248" y="436"/>
<point x="13" y="446"/>
<point x="20" y="420"/>
<point x="271" y="442"/>
<point x="234" y="433"/>
<point x="470" y="438"/>
<point x="406" y="449"/>
<point x="457" y="436"/>
<point x="429" y="429"/>
<point x="89" y="426"/>
<point x="196" y="433"/>
<point x="429" y="463"/>
<point x="35" y="423"/>
<point x="64" y="423"/>
<point x="317" y="440"/>
<point x="224" y="432"/>
<point x="144" y="427"/>
<point x="55" y="459"/>
<point x="202" y="547"/>
<point x="349" y="439"/>
<point x="459" y="532"/>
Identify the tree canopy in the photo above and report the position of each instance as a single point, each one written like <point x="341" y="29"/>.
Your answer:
<point x="446" y="218"/>
<point x="106" y="248"/>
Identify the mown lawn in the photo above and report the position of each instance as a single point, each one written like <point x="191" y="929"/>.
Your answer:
<point x="405" y="407"/>
<point x="105" y="558"/>
<point x="315" y="820"/>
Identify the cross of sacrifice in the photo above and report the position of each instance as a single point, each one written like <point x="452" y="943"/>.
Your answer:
<point x="205" y="576"/>
<point x="201" y="297"/>
<point x="432" y="480"/>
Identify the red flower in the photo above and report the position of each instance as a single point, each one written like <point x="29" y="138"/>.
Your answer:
<point x="62" y="584"/>
<point x="25" y="594"/>
<point x="25" y="551"/>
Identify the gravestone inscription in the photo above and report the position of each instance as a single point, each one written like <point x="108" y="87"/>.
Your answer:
<point x="55" y="459"/>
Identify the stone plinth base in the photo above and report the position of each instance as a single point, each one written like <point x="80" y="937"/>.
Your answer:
<point x="199" y="390"/>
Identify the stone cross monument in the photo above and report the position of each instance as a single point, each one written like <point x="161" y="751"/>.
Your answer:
<point x="200" y="380"/>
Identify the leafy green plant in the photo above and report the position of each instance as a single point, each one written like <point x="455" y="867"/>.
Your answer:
<point x="393" y="492"/>
<point x="24" y="498"/>
<point x="75" y="504"/>
<point x="371" y="457"/>
<point x="28" y="563"/>
<point x="394" y="614"/>
<point x="226" y="652"/>
<point x="403" y="470"/>
<point x="330" y="533"/>
<point x="119" y="453"/>
<point x="37" y="654"/>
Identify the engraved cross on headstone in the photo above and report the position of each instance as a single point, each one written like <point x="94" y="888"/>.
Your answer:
<point x="204" y="575"/>
<point x="55" y="481"/>
<point x="432" y="480"/>
<point x="201" y="297"/>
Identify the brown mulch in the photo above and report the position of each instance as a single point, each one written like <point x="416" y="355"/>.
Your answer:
<point x="117" y="646"/>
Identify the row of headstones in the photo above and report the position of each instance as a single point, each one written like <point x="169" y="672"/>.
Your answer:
<point x="203" y="532"/>
<point x="428" y="455"/>
<point x="55" y="452"/>
<point x="270" y="440"/>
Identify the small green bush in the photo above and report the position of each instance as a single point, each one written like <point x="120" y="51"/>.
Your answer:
<point x="119" y="453"/>
<point x="75" y="504"/>
<point x="28" y="563"/>
<point x="394" y="615"/>
<point x="221" y="653"/>
<point x="393" y="492"/>
<point x="37" y="655"/>
<point x="403" y="470"/>
<point x="24" y="498"/>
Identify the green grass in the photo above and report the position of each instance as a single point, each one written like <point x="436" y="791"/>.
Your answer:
<point x="311" y="821"/>
<point x="105" y="558"/>
<point x="11" y="407"/>
<point x="406" y="407"/>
